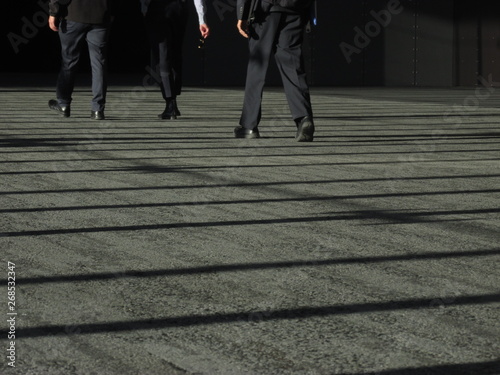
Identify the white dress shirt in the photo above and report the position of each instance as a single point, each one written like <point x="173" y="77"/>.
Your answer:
<point x="199" y="4"/>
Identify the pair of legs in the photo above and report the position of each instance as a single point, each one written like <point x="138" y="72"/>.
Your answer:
<point x="280" y="34"/>
<point x="166" y="25"/>
<point x="71" y="35"/>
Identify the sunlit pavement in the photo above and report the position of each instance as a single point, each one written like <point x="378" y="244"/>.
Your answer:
<point x="145" y="246"/>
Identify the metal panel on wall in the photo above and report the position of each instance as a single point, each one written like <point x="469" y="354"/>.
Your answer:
<point x="467" y="44"/>
<point x="400" y="45"/>
<point x="490" y="43"/>
<point x="434" y="43"/>
<point x="376" y="18"/>
<point x="337" y="59"/>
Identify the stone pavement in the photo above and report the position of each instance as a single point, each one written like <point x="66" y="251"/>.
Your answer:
<point x="142" y="246"/>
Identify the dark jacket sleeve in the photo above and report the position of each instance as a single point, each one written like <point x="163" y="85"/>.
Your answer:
<point x="54" y="8"/>
<point x="243" y="9"/>
<point x="58" y="8"/>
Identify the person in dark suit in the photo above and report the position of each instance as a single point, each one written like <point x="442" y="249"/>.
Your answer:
<point x="166" y="24"/>
<point x="76" y="20"/>
<point x="275" y="27"/>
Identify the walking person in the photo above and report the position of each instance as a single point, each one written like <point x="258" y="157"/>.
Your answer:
<point x="275" y="27"/>
<point x="75" y="21"/>
<point x="166" y="25"/>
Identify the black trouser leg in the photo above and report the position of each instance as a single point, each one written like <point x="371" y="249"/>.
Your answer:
<point x="261" y="44"/>
<point x="71" y="35"/>
<point x="291" y="65"/>
<point x="97" y="40"/>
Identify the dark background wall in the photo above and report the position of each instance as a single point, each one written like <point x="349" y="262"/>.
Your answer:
<point x="356" y="43"/>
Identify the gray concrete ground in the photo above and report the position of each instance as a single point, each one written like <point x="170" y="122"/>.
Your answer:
<point x="143" y="246"/>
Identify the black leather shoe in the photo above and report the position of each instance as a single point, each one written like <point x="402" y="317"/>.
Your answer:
<point x="63" y="111"/>
<point x="305" y="130"/>
<point x="169" y="113"/>
<point x="242" y="132"/>
<point x="97" y="115"/>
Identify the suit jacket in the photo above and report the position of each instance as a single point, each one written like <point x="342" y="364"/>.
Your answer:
<point x="84" y="11"/>
<point x="243" y="7"/>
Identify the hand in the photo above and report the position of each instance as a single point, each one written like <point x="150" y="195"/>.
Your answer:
<point x="243" y="28"/>
<point x="53" y="21"/>
<point x="204" y="30"/>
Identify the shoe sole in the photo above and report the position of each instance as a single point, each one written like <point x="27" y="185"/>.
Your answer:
<point x="305" y="138"/>
<point x="247" y="136"/>
<point x="62" y="114"/>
